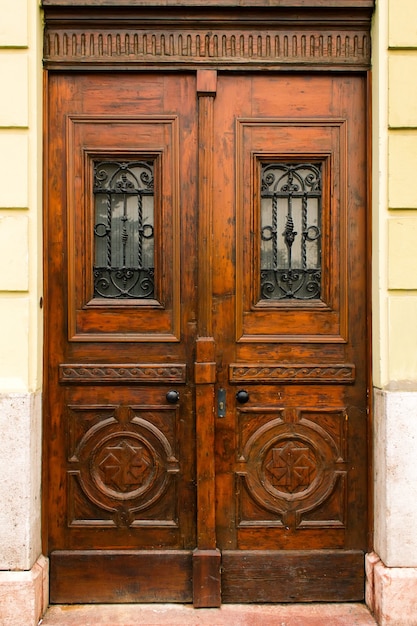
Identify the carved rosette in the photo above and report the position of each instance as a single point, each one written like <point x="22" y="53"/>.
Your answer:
<point x="290" y="469"/>
<point x="124" y="466"/>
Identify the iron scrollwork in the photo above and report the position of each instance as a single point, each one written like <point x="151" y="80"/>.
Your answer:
<point x="124" y="229"/>
<point x="291" y="231"/>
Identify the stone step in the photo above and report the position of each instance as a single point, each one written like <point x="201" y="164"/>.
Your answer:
<point x="228" y="615"/>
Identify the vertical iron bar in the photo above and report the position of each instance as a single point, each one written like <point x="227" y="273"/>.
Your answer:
<point x="124" y="231"/>
<point x="319" y="220"/>
<point x="108" y="234"/>
<point x="275" y="232"/>
<point x="289" y="221"/>
<point x="140" y="231"/>
<point x="304" y="232"/>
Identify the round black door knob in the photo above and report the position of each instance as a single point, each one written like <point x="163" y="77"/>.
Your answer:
<point x="172" y="396"/>
<point x="242" y="396"/>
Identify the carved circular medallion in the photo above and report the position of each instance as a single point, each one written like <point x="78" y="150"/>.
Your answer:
<point x="290" y="467"/>
<point x="125" y="467"/>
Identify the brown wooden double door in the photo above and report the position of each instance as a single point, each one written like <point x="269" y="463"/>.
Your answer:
<point x="206" y="341"/>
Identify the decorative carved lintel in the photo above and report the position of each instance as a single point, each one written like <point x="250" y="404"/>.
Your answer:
<point x="246" y="37"/>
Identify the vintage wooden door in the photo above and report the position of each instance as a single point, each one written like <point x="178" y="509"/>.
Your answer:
<point x="260" y="330"/>
<point x="206" y="335"/>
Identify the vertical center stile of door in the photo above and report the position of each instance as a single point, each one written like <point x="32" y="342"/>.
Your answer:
<point x="206" y="92"/>
<point x="206" y="562"/>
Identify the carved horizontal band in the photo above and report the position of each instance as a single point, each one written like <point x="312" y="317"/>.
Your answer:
<point x="192" y="46"/>
<point x="292" y="373"/>
<point x="132" y="374"/>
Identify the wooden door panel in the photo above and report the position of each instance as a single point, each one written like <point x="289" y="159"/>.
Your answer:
<point x="291" y="576"/>
<point x="122" y="469"/>
<point x="121" y="466"/>
<point x="108" y="139"/>
<point x="292" y="472"/>
<point x="87" y="576"/>
<point x="291" y="460"/>
<point x="324" y="313"/>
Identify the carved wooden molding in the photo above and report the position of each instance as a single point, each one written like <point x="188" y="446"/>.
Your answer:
<point x="133" y="374"/>
<point x="205" y="48"/>
<point x="350" y="4"/>
<point x="292" y="373"/>
<point x="247" y="37"/>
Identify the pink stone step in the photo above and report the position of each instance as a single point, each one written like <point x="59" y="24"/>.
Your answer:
<point x="227" y="615"/>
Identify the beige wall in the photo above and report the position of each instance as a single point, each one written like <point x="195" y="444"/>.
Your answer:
<point x="20" y="283"/>
<point x="20" y="196"/>
<point x="400" y="266"/>
<point x="394" y="579"/>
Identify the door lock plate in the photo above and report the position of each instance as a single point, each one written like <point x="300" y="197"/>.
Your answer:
<point x="221" y="403"/>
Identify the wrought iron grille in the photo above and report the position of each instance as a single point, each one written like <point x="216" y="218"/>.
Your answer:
<point x="291" y="206"/>
<point x="124" y="229"/>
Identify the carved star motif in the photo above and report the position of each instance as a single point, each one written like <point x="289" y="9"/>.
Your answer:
<point x="124" y="466"/>
<point x="292" y="467"/>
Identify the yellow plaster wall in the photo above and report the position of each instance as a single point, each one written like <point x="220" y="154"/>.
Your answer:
<point x="14" y="24"/>
<point x="399" y="223"/>
<point x="402" y="23"/>
<point x="20" y="195"/>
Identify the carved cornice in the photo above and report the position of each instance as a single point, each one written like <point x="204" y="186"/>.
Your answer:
<point x="335" y="374"/>
<point x="255" y="38"/>
<point x="344" y="4"/>
<point x="137" y="374"/>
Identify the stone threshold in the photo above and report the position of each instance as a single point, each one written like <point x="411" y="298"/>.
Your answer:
<point x="353" y="614"/>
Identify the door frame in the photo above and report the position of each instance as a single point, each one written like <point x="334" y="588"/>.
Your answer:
<point x="325" y="36"/>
